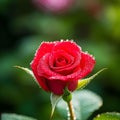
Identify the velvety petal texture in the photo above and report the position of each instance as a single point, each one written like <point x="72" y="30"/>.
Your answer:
<point x="61" y="64"/>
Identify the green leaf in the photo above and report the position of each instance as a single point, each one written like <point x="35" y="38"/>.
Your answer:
<point x="54" y="100"/>
<point x="108" y="116"/>
<point x="84" y="102"/>
<point x="28" y="71"/>
<point x="84" y="82"/>
<point x="8" y="116"/>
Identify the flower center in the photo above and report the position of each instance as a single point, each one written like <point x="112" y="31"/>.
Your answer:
<point x="61" y="61"/>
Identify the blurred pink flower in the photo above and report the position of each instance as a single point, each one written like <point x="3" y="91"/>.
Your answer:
<point x="54" y="5"/>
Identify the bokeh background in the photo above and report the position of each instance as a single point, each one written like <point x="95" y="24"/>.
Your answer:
<point x="24" y="24"/>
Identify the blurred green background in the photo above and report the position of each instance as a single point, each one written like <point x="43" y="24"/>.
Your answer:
<point x="23" y="26"/>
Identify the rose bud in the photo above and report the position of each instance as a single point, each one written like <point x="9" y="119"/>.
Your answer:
<point x="54" y="5"/>
<point x="59" y="65"/>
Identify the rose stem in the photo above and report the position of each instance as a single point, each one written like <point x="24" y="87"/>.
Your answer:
<point x="71" y="111"/>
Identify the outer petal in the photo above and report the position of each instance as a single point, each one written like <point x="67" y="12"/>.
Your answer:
<point x="56" y="86"/>
<point x="43" y="68"/>
<point x="87" y="64"/>
<point x="68" y="46"/>
<point x="72" y="85"/>
<point x="44" y="48"/>
<point x="43" y="83"/>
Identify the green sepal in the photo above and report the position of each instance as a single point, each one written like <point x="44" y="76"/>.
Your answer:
<point x="67" y="96"/>
<point x="28" y="71"/>
<point x="54" y="100"/>
<point x="84" y="82"/>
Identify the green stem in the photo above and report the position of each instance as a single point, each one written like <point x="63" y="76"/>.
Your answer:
<point x="71" y="111"/>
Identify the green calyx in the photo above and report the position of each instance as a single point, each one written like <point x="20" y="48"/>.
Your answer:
<point x="67" y="96"/>
<point x="84" y="82"/>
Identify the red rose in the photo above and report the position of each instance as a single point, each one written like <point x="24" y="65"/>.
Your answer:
<point x="61" y="64"/>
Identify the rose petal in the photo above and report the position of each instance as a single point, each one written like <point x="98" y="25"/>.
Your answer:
<point x="57" y="86"/>
<point x="60" y="59"/>
<point x="74" y="61"/>
<point x="68" y="46"/>
<point x="43" y="83"/>
<point x="43" y="68"/>
<point x="72" y="85"/>
<point x="44" y="48"/>
<point x="87" y="64"/>
<point x="55" y="55"/>
<point x="41" y="80"/>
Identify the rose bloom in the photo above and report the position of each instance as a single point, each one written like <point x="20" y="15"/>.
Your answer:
<point x="61" y="64"/>
<point x="54" y="5"/>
